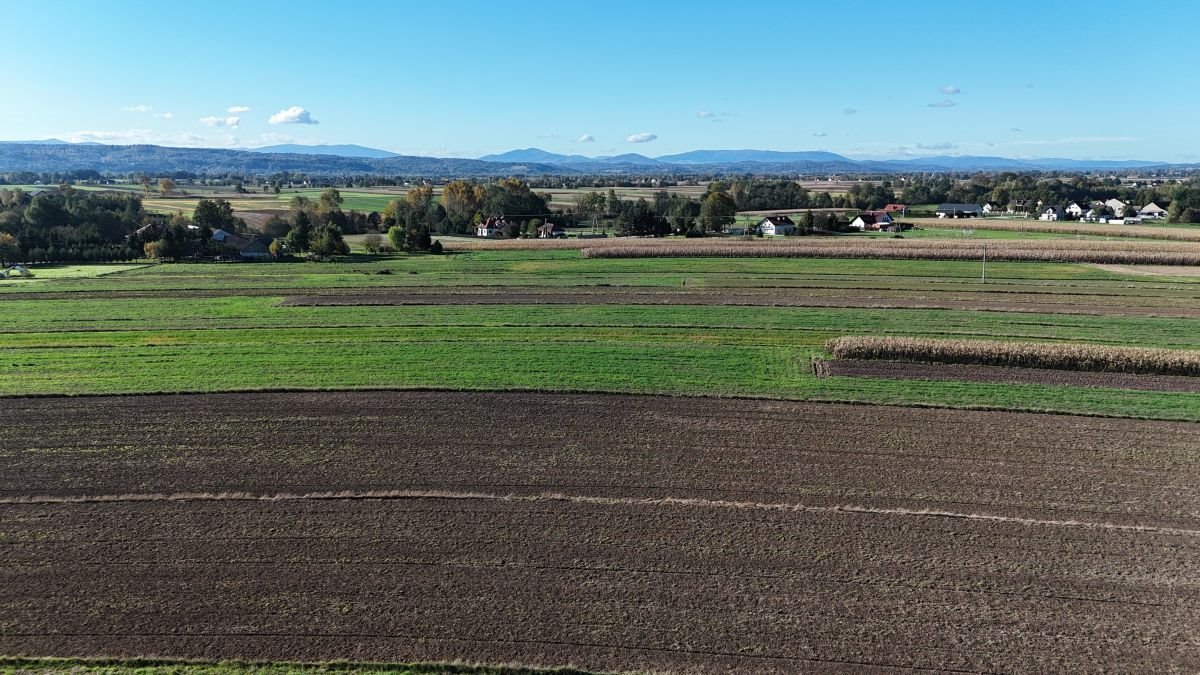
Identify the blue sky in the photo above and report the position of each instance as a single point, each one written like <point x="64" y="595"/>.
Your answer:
<point x="1086" y="80"/>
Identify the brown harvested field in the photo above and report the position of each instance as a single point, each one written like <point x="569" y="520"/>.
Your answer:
<point x="1152" y="270"/>
<point x="1122" y="252"/>
<point x="1140" y="231"/>
<point x="1116" y="305"/>
<point x="955" y="372"/>
<point x="609" y="532"/>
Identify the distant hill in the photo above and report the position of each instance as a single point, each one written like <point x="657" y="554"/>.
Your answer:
<point x="339" y="150"/>
<point x="326" y="160"/>
<point x="48" y="141"/>
<point x="736" y="156"/>
<point x="535" y="155"/>
<point x="158" y="159"/>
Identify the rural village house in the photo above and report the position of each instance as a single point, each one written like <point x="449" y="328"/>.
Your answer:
<point x="1021" y="205"/>
<point x="492" y="227"/>
<point x="1075" y="209"/>
<point x="1152" y="210"/>
<point x="1117" y="206"/>
<point x="774" y="226"/>
<point x="902" y="209"/>
<point x="959" y="211"/>
<point x="992" y="207"/>
<point x="1053" y="213"/>
<point x="871" y="220"/>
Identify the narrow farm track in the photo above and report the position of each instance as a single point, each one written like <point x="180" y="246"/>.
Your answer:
<point x="608" y="532"/>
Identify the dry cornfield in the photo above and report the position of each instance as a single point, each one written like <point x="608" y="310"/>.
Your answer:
<point x="1066" y="227"/>
<point x="1084" y="357"/>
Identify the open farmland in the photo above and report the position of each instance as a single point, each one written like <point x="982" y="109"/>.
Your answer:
<point x="617" y="533"/>
<point x="528" y="501"/>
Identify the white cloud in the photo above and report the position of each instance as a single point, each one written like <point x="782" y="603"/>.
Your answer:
<point x="586" y="138"/>
<point x="231" y="122"/>
<point x="548" y="136"/>
<point x="944" y="103"/>
<point x="848" y="111"/>
<point x="235" y="109"/>
<point x="165" y="115"/>
<point x="820" y="134"/>
<point x="644" y="137"/>
<point x="950" y="90"/>
<point x="704" y="114"/>
<point x="1016" y="130"/>
<point x="292" y="115"/>
<point x="936" y="146"/>
<point x="137" y="108"/>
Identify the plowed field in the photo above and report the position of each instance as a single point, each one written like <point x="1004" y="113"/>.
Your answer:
<point x="608" y="532"/>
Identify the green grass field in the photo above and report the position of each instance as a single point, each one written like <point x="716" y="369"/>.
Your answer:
<point x="171" y="341"/>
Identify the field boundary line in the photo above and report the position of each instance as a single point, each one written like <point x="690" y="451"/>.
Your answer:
<point x="577" y="499"/>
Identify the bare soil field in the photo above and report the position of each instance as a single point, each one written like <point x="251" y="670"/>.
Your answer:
<point x="809" y="297"/>
<point x="1152" y="270"/>
<point x="945" y="372"/>
<point x="608" y="532"/>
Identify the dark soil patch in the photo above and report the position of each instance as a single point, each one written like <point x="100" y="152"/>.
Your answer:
<point x="941" y="372"/>
<point x="608" y="532"/>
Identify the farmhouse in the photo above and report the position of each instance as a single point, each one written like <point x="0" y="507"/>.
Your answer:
<point x="1020" y="205"/>
<point x="775" y="226"/>
<point x="1075" y="209"/>
<point x="1152" y="210"/>
<point x="492" y="227"/>
<point x="221" y="235"/>
<point x="249" y="247"/>
<point x="992" y="207"/>
<point x="1117" y="206"/>
<point x="959" y="211"/>
<point x="551" y="231"/>
<point x="871" y="220"/>
<point x="902" y="209"/>
<point x="1053" y="213"/>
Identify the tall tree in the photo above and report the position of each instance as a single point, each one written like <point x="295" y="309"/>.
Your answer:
<point x="717" y="211"/>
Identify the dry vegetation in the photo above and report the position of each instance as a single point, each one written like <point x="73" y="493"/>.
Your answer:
<point x="1108" y="252"/>
<point x="1069" y="227"/>
<point x="1020" y="354"/>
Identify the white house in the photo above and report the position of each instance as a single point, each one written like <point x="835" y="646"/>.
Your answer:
<point x="871" y="220"/>
<point x="775" y="226"/>
<point x="1117" y="206"/>
<point x="1152" y="210"/>
<point x="992" y="207"/>
<point x="492" y="227"/>
<point x="1053" y="213"/>
<point x="1075" y="209"/>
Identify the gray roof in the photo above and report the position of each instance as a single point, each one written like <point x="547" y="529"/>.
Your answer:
<point x="959" y="207"/>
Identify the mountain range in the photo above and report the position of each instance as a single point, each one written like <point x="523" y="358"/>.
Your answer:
<point x="56" y="155"/>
